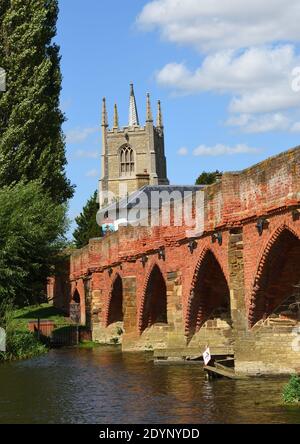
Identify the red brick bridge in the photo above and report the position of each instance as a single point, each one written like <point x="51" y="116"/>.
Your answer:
<point x="234" y="288"/>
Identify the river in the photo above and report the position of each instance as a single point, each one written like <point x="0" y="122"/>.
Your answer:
<point x="105" y="386"/>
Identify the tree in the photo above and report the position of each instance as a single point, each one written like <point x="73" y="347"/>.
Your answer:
<point x="32" y="144"/>
<point x="31" y="227"/>
<point x="87" y="227"/>
<point x="208" y="178"/>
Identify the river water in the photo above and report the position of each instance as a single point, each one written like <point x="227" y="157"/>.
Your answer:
<point x="105" y="386"/>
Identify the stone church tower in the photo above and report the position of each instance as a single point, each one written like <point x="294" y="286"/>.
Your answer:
<point x="132" y="156"/>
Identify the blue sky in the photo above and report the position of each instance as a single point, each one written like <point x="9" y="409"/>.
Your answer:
<point x="222" y="71"/>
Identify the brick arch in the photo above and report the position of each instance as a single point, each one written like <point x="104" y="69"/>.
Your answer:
<point x="77" y="297"/>
<point x="153" y="306"/>
<point x="209" y="291"/>
<point x="114" y="304"/>
<point x="191" y="267"/>
<point x="278" y="255"/>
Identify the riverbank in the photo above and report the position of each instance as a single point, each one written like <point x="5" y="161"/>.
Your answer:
<point x="20" y="342"/>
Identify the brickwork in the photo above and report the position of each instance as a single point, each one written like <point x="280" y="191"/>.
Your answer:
<point x="217" y="293"/>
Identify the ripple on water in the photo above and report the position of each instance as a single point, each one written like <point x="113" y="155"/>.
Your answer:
<point x="105" y="386"/>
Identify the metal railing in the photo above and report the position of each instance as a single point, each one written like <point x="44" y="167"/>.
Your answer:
<point x="67" y="335"/>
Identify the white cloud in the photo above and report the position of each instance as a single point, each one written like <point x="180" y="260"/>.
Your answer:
<point x="183" y="151"/>
<point x="259" y="79"/>
<point x="295" y="127"/>
<point x="92" y="173"/>
<point x="87" y="154"/>
<point x="260" y="124"/>
<point x="79" y="135"/>
<point x="271" y="98"/>
<point x="249" y="53"/>
<point x="221" y="150"/>
<point x="223" y="24"/>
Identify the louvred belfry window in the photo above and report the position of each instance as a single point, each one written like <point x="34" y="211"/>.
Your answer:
<point x="126" y="161"/>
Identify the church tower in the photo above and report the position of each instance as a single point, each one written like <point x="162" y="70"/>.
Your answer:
<point x="132" y="156"/>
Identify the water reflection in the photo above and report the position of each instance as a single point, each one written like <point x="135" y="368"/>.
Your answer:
<point x="106" y="386"/>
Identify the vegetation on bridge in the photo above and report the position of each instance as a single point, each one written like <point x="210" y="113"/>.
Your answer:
<point x="291" y="392"/>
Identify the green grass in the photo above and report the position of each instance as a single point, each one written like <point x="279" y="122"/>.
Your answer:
<point x="89" y="344"/>
<point x="22" y="316"/>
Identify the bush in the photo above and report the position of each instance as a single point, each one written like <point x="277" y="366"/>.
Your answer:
<point x="291" y="392"/>
<point x="22" y="345"/>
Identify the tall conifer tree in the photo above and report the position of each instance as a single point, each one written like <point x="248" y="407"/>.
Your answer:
<point x="87" y="227"/>
<point x="32" y="144"/>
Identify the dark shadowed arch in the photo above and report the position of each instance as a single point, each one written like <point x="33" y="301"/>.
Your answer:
<point x="76" y="297"/>
<point x="278" y="273"/>
<point x="115" y="306"/>
<point x="155" y="300"/>
<point x="210" y="296"/>
<point x="75" y="307"/>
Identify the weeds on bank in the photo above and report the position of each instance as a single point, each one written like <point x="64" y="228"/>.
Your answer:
<point x="20" y="343"/>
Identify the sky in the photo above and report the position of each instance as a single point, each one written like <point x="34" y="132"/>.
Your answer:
<point x="227" y="73"/>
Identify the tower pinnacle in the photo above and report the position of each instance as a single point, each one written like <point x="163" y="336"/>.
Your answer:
<point x="149" y="117"/>
<point x="133" y="113"/>
<point x="104" y="114"/>
<point x="159" y="120"/>
<point x="116" y="117"/>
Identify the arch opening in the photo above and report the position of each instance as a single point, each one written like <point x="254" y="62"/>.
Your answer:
<point x="115" y="309"/>
<point x="75" y="307"/>
<point x="76" y="297"/>
<point x="155" y="303"/>
<point x="210" y="297"/>
<point x="276" y="294"/>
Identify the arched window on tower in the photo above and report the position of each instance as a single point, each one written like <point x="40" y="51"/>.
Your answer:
<point x="126" y="161"/>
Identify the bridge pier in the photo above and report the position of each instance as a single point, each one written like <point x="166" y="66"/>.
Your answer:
<point x="270" y="344"/>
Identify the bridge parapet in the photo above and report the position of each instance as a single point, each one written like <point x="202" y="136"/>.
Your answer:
<point x="261" y="189"/>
